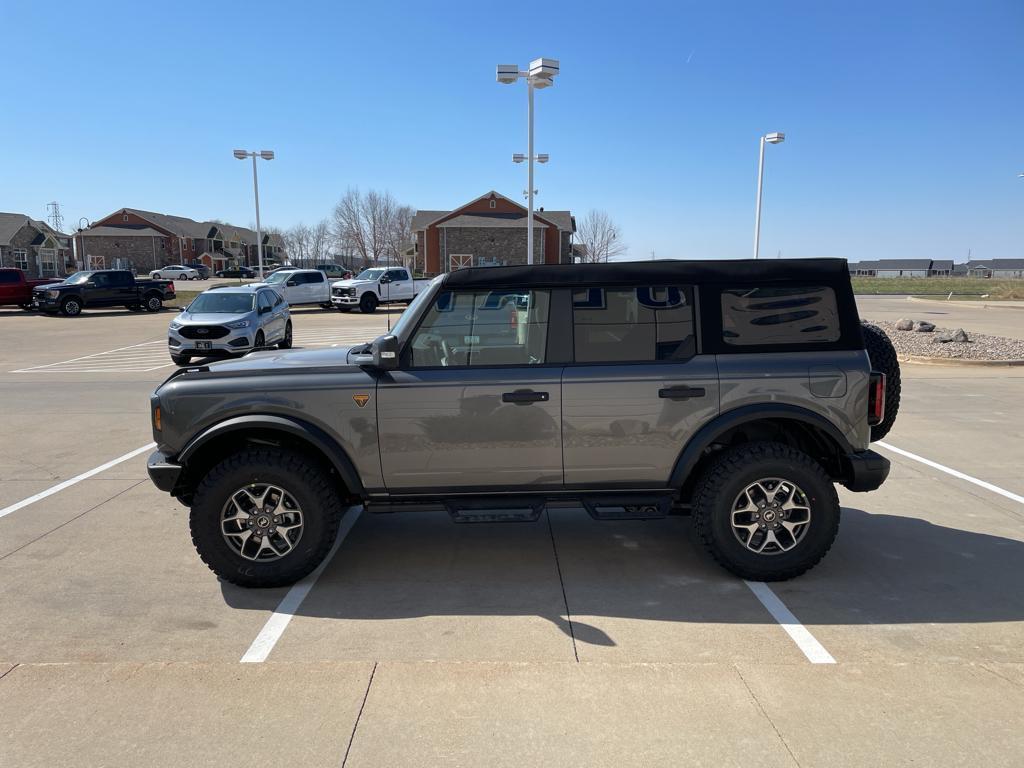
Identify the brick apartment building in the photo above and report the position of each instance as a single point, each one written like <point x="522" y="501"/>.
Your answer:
<point x="143" y="241"/>
<point x="488" y="231"/>
<point x="34" y="246"/>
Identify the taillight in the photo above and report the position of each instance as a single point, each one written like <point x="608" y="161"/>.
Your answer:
<point x="876" y="398"/>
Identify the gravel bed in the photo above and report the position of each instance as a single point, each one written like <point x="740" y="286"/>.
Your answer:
<point x="980" y="346"/>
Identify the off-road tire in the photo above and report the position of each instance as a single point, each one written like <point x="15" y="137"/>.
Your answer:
<point x="286" y="342"/>
<point x="71" y="307"/>
<point x="722" y="482"/>
<point x="883" y="358"/>
<point x="153" y="303"/>
<point x="368" y="304"/>
<point x="181" y="360"/>
<point x="304" y="479"/>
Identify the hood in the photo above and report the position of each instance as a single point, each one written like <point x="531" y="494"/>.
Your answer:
<point x="285" y="361"/>
<point x="351" y="283"/>
<point x="211" y="318"/>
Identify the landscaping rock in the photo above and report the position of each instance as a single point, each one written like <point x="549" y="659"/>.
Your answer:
<point x="943" y="337"/>
<point x="923" y="326"/>
<point x="978" y="346"/>
<point x="905" y="324"/>
<point x="960" y="335"/>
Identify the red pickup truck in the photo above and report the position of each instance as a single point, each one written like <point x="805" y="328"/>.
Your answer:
<point x="15" y="288"/>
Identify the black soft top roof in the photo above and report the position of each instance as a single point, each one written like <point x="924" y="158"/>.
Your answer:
<point x="661" y="272"/>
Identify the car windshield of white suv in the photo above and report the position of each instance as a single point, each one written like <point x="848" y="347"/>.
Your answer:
<point x="370" y="274"/>
<point x="222" y="303"/>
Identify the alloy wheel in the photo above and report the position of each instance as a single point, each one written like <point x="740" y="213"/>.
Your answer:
<point x="261" y="522"/>
<point x="771" y="516"/>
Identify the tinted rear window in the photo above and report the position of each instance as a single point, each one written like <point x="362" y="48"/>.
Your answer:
<point x="791" y="315"/>
<point x="640" y="324"/>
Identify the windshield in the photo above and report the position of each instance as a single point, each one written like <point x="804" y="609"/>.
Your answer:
<point x="279" y="277"/>
<point x="399" y="328"/>
<point x="222" y="303"/>
<point x="78" y="277"/>
<point x="370" y="274"/>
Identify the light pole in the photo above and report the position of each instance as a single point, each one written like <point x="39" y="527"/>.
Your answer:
<point x="540" y="75"/>
<point x="266" y="154"/>
<point x="83" y="224"/>
<point x="770" y="138"/>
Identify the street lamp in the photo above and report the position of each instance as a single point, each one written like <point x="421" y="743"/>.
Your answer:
<point x="770" y="138"/>
<point x="265" y="154"/>
<point x="540" y="75"/>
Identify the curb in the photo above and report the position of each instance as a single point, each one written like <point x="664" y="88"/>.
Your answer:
<point x="974" y="304"/>
<point x="955" y="361"/>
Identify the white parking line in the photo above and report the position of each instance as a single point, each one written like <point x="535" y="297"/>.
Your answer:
<point x="282" y="615"/>
<point x="805" y="641"/>
<point x="76" y="479"/>
<point x="146" y="356"/>
<point x="955" y="473"/>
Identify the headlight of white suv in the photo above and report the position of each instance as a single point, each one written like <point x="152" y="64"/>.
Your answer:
<point x="239" y="324"/>
<point x="175" y="325"/>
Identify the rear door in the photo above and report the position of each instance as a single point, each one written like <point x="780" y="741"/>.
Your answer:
<point x="637" y="388"/>
<point x="476" y="401"/>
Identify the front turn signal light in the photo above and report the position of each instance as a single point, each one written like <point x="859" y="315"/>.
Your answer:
<point x="156" y="419"/>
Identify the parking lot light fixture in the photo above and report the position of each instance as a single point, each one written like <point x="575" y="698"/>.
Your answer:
<point x="769" y="138"/>
<point x="518" y="157"/>
<point x="265" y="154"/>
<point x="540" y="75"/>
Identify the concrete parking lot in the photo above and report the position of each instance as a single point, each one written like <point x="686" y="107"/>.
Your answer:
<point x="423" y="642"/>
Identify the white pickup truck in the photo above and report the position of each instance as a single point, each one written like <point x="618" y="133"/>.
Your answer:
<point x="375" y="286"/>
<point x="302" y="286"/>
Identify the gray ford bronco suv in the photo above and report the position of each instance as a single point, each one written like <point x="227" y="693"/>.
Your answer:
<point x="736" y="391"/>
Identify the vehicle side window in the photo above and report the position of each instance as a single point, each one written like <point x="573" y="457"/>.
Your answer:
<point x="278" y="300"/>
<point x="264" y="300"/>
<point x="316" y="277"/>
<point x="637" y="324"/>
<point x="483" y="328"/>
<point x="101" y="279"/>
<point x="120" y="278"/>
<point x="793" y="315"/>
<point x="398" y="275"/>
<point x="9" y="277"/>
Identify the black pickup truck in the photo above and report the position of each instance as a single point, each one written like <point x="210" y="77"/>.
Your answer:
<point x="102" y="288"/>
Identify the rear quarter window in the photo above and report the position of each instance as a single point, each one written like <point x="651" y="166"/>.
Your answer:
<point x="764" y="316"/>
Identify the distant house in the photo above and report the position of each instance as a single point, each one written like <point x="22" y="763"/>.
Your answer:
<point x="998" y="269"/>
<point x="34" y="246"/>
<point x="903" y="267"/>
<point x="143" y="240"/>
<point x="863" y="268"/>
<point x="941" y="268"/>
<point x="488" y="231"/>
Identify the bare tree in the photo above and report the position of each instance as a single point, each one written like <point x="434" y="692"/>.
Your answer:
<point x="600" y="237"/>
<point x="372" y="225"/>
<point x="320" y="241"/>
<point x="298" y="244"/>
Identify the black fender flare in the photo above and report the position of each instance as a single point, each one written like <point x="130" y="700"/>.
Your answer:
<point x="303" y="430"/>
<point x="745" y="414"/>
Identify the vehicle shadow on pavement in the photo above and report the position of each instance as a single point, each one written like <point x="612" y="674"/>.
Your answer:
<point x="883" y="569"/>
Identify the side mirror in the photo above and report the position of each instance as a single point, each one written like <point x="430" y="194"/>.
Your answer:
<point x="90" y="283"/>
<point x="385" y="353"/>
<point x="290" y="283"/>
<point x="384" y="279"/>
<point x="264" y="310"/>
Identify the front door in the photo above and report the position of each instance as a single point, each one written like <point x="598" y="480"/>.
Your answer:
<point x="474" y="404"/>
<point x="637" y="390"/>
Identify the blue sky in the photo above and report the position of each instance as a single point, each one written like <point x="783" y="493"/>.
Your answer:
<point x="904" y="120"/>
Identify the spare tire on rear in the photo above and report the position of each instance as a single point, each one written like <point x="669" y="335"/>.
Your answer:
<point x="883" y="358"/>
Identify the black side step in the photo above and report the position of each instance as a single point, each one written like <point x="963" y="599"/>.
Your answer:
<point x="628" y="507"/>
<point x="507" y="510"/>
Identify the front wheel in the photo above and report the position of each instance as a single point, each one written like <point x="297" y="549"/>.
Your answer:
<point x="368" y="304"/>
<point x="766" y="512"/>
<point x="71" y="307"/>
<point x="259" y="342"/>
<point x="286" y="342"/>
<point x="265" y="517"/>
<point x="156" y="276"/>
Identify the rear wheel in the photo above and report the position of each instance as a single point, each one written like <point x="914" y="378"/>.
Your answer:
<point x="71" y="307"/>
<point x="883" y="358"/>
<point x="368" y="303"/>
<point x="264" y="517"/>
<point x="156" y="276"/>
<point x="766" y="512"/>
<point x="286" y="342"/>
<point x="153" y="303"/>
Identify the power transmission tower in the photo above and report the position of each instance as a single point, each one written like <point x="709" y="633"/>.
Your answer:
<point x="55" y="217"/>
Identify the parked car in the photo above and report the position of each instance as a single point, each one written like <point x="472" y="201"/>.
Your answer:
<point x="17" y="289"/>
<point x="229" y="321"/>
<point x="175" y="272"/>
<point x="202" y="269"/>
<point x="607" y="386"/>
<point x="334" y="271"/>
<point x="302" y="286"/>
<point x="102" y="288"/>
<point x="236" y="272"/>
<point x="376" y="286"/>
